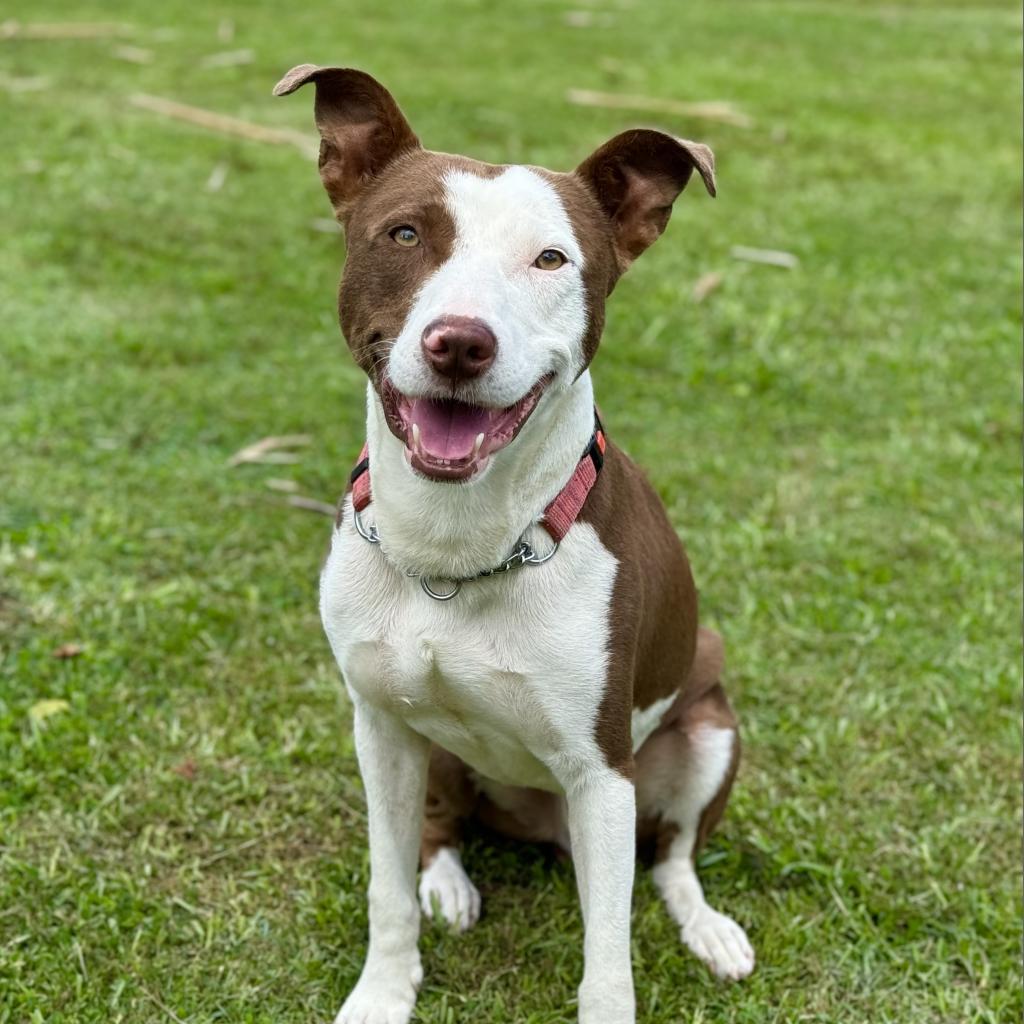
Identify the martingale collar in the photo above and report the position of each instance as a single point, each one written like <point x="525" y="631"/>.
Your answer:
<point x="558" y="517"/>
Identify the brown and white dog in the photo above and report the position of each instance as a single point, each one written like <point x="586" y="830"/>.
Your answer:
<point x="569" y="698"/>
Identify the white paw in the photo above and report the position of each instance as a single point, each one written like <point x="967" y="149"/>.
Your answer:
<point x="446" y="881"/>
<point x="720" y="943"/>
<point x="383" y="995"/>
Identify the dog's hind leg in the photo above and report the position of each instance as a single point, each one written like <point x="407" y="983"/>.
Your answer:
<point x="444" y="884"/>
<point x="684" y="773"/>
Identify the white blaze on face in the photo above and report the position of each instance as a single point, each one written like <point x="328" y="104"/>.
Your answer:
<point x="539" y="317"/>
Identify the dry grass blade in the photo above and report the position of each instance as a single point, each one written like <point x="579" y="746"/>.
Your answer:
<point x="62" y="30"/>
<point x="133" y="54"/>
<point x="276" y="483"/>
<point x="23" y="83"/>
<point x="770" y="257"/>
<point x="322" y="508"/>
<point x="706" y="284"/>
<point x="219" y="174"/>
<point x="155" y="1000"/>
<point x="223" y="123"/>
<point x="228" y="59"/>
<point x="716" y="110"/>
<point x="269" y="449"/>
<point x="588" y="19"/>
<point x="67" y="651"/>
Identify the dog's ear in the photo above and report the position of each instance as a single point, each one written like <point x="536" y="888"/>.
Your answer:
<point x="636" y="177"/>
<point x="361" y="128"/>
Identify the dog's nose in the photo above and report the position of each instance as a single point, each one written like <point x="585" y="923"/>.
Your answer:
<point x="459" y="347"/>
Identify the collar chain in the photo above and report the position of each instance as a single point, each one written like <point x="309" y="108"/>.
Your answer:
<point x="522" y="555"/>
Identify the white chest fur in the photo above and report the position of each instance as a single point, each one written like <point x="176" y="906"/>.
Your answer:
<point x="509" y="675"/>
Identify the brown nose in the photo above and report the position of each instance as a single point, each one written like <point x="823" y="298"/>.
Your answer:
<point x="459" y="347"/>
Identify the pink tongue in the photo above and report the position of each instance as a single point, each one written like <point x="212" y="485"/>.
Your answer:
<point x="448" y="428"/>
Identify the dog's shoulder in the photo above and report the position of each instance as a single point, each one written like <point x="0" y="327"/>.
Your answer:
<point x="653" y="617"/>
<point x="630" y="518"/>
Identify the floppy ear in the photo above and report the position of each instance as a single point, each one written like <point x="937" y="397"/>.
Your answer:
<point x="636" y="177"/>
<point x="361" y="128"/>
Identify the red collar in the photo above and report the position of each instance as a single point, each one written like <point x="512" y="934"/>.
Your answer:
<point x="558" y="516"/>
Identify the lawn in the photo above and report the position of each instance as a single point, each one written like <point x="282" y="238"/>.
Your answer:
<point x="183" y="838"/>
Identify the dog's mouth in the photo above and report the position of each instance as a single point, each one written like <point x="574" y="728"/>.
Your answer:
<point x="449" y="440"/>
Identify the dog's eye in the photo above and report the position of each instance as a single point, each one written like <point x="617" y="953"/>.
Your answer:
<point x="406" y="236"/>
<point x="549" y="259"/>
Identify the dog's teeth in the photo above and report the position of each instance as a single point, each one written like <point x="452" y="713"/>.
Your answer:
<point x="477" y="444"/>
<point x="416" y="437"/>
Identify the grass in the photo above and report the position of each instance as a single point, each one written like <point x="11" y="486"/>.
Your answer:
<point x="838" y="445"/>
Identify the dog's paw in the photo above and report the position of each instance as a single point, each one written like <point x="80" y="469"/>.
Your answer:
<point x="384" y="994"/>
<point x="446" y="884"/>
<point x="720" y="943"/>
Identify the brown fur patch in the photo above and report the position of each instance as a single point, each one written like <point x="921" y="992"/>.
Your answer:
<point x="653" y="630"/>
<point x="451" y="799"/>
<point x="701" y="703"/>
<point x="531" y="815"/>
<point x="382" y="278"/>
<point x="704" y="704"/>
<point x="705" y="674"/>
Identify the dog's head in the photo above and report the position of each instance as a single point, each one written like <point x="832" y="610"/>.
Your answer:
<point x="473" y="292"/>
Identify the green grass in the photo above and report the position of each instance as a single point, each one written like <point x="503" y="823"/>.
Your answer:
<point x="837" y="444"/>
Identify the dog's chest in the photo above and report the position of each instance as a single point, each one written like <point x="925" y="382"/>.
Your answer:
<point x="509" y="675"/>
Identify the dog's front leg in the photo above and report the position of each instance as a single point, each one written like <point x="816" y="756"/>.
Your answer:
<point x="602" y="827"/>
<point x="393" y="762"/>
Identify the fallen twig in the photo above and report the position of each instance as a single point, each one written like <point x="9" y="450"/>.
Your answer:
<point x="268" y="449"/>
<point x="24" y="83"/>
<point x="310" y="505"/>
<point x="587" y="19"/>
<point x="62" y="30"/>
<point x="223" y="123"/>
<point x="771" y="257"/>
<point x="706" y="284"/>
<point x="716" y="110"/>
<point x="228" y="59"/>
<point x="276" y="483"/>
<point x="133" y="54"/>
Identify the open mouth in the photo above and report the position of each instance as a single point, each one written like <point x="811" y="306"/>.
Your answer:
<point x="446" y="439"/>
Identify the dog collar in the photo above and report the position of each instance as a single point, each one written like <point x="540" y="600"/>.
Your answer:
<point x="557" y="519"/>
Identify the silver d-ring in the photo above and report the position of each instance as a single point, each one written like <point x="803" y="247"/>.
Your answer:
<point x="368" y="533"/>
<point x="536" y="559"/>
<point x="425" y="584"/>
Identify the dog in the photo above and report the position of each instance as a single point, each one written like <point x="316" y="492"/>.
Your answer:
<point x="513" y="615"/>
